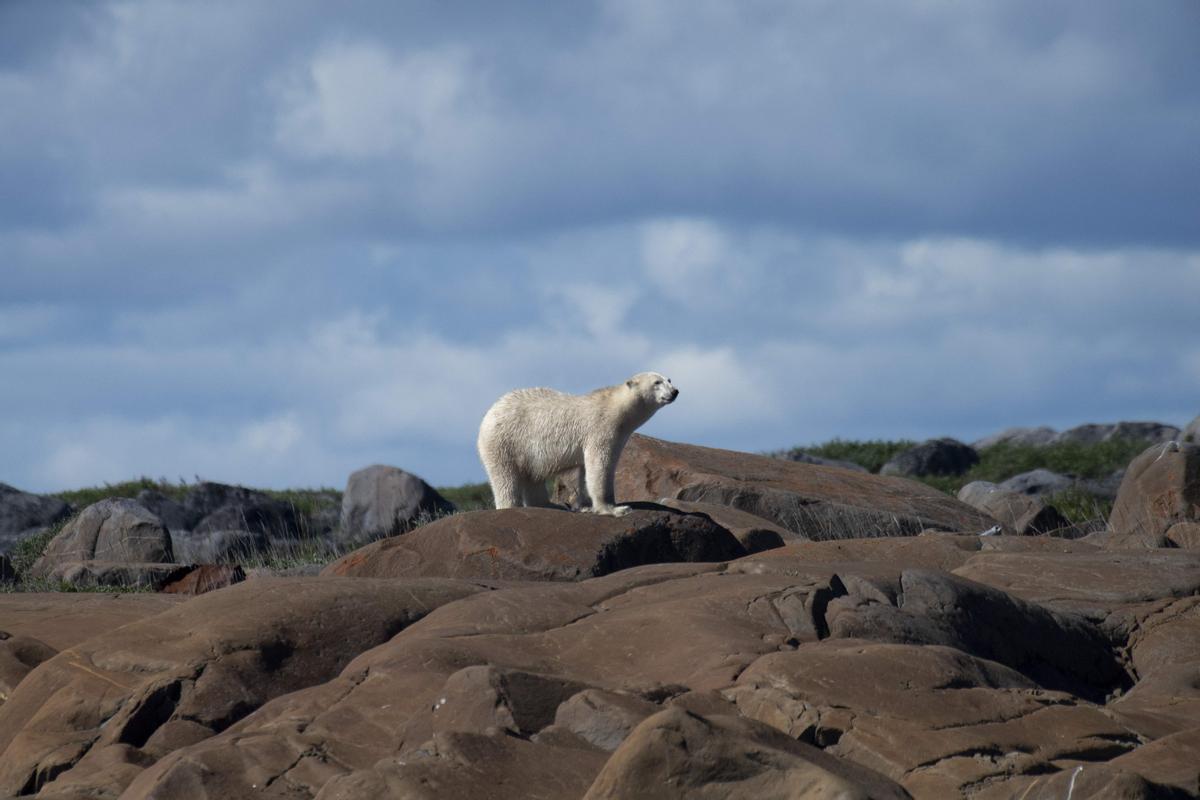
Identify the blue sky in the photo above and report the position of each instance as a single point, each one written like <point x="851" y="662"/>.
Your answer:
<point x="262" y="242"/>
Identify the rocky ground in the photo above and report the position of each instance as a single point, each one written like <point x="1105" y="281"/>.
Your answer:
<point x="756" y="628"/>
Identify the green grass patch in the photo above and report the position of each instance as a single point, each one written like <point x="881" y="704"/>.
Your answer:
<point x="871" y="454"/>
<point x="81" y="498"/>
<point x="469" y="496"/>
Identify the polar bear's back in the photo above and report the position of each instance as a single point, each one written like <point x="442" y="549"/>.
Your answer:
<point x="537" y="431"/>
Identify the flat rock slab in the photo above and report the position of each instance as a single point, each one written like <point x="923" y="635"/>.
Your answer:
<point x="541" y="544"/>
<point x="814" y="501"/>
<point x="755" y="533"/>
<point x="1093" y="583"/>
<point x="63" y="620"/>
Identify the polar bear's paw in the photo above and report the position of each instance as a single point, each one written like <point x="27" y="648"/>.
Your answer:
<point x="608" y="511"/>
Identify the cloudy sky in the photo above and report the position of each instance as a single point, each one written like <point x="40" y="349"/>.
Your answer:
<point x="270" y="243"/>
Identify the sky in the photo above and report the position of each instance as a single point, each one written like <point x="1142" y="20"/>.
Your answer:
<point x="273" y="242"/>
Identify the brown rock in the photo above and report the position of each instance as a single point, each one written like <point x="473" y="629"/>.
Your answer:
<point x="1161" y="488"/>
<point x="1184" y="534"/>
<point x="814" y="501"/>
<point x="479" y="698"/>
<point x="115" y="530"/>
<point x="929" y="551"/>
<point x="467" y="765"/>
<point x="209" y="661"/>
<point x="603" y="719"/>
<point x="1023" y="514"/>
<point x="933" y="718"/>
<point x="541" y="544"/>
<point x="755" y="533"/>
<point x="1092" y="583"/>
<point x="19" y="655"/>
<point x="63" y="620"/>
<point x="206" y="578"/>
<point x="1058" y="650"/>
<point x="653" y="631"/>
<point x="676" y="754"/>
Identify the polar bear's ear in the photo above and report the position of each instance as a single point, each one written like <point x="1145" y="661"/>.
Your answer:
<point x="629" y="383"/>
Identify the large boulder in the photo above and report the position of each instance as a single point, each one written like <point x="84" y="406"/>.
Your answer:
<point x="935" y="457"/>
<point x="1161" y="489"/>
<point x="111" y="531"/>
<point x="22" y="513"/>
<point x="541" y="544"/>
<point x="1017" y="436"/>
<point x="813" y="501"/>
<point x="382" y="501"/>
<point x="94" y="716"/>
<point x="1020" y="513"/>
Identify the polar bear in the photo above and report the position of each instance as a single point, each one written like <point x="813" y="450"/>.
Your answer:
<point x="530" y="435"/>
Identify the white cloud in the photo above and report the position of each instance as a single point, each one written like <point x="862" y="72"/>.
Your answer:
<point x="357" y="100"/>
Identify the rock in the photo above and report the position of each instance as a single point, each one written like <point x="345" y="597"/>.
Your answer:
<point x="169" y="511"/>
<point x="804" y="458"/>
<point x="885" y="706"/>
<point x="755" y="533"/>
<point x="1058" y="650"/>
<point x="1089" y="583"/>
<point x="209" y="662"/>
<point x="1136" y="431"/>
<point x="1038" y="482"/>
<point x="541" y="544"/>
<point x="1191" y="432"/>
<point x="122" y="574"/>
<point x="206" y="578"/>
<point x="480" y="698"/>
<point x="602" y="719"/>
<point x="22" y="513"/>
<point x="1184" y="534"/>
<point x="1017" y="436"/>
<point x="927" y="551"/>
<point x="935" y="457"/>
<point x="676" y="754"/>
<point x="112" y="531"/>
<point x="19" y="655"/>
<point x="815" y="502"/>
<point x="471" y="765"/>
<point x="212" y="506"/>
<point x="1161" y="488"/>
<point x="64" y="619"/>
<point x="1020" y="513"/>
<point x="382" y="501"/>
<point x="218" y="546"/>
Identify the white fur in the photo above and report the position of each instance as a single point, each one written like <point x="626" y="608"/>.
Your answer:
<point x="531" y="435"/>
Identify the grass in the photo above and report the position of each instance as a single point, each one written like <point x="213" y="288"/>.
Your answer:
<point x="469" y="496"/>
<point x="871" y="454"/>
<point x="81" y="498"/>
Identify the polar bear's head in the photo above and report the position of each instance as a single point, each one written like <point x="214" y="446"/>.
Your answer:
<point x="653" y="388"/>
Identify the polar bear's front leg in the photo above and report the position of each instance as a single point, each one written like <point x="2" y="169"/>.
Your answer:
<point x="599" y="468"/>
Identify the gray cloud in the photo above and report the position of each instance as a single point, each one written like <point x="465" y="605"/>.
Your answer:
<point x="272" y="247"/>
